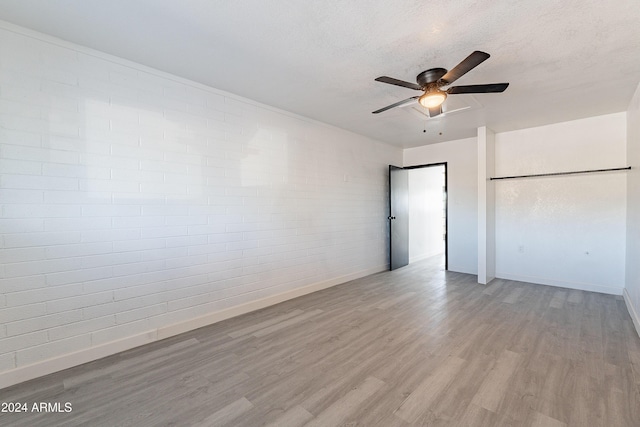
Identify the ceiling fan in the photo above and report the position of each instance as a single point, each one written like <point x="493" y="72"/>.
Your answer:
<point x="432" y="80"/>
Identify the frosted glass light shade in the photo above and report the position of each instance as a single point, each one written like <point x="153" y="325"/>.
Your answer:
<point x="432" y="99"/>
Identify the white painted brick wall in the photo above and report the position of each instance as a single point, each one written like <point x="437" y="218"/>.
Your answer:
<point x="131" y="200"/>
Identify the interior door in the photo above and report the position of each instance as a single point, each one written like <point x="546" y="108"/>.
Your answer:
<point x="399" y="216"/>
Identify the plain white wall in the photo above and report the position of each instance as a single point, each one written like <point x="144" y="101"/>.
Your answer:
<point x="426" y="207"/>
<point x="563" y="230"/>
<point x="632" y="279"/>
<point x="462" y="174"/>
<point x="133" y="200"/>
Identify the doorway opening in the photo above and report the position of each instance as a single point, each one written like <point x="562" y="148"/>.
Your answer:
<point x="418" y="214"/>
<point x="427" y="213"/>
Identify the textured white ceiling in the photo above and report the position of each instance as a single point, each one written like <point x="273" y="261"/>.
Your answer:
<point x="564" y="59"/>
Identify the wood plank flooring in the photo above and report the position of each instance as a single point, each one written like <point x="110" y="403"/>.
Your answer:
<point x="417" y="346"/>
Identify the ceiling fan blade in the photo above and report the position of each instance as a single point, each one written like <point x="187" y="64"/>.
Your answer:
<point x="397" y="104"/>
<point x="467" y="64"/>
<point x="488" y="88"/>
<point x="392" y="81"/>
<point x="435" y="111"/>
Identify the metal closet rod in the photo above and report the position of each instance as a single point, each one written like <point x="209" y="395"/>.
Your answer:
<point x="561" y="173"/>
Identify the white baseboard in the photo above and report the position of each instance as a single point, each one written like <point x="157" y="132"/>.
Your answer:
<point x="489" y="280"/>
<point x="611" y="290"/>
<point x="60" y="363"/>
<point x="632" y="311"/>
<point x="458" y="269"/>
<point x="49" y="366"/>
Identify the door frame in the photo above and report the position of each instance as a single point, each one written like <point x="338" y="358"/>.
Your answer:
<point x="446" y="205"/>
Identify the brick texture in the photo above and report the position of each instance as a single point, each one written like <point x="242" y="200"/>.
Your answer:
<point x="131" y="199"/>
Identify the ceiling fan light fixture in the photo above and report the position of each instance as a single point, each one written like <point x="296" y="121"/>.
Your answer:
<point x="432" y="99"/>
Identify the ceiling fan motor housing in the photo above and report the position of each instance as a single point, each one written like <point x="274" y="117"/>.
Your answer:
<point x="429" y="76"/>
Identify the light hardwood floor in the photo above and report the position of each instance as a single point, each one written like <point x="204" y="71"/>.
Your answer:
<point x="417" y="346"/>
